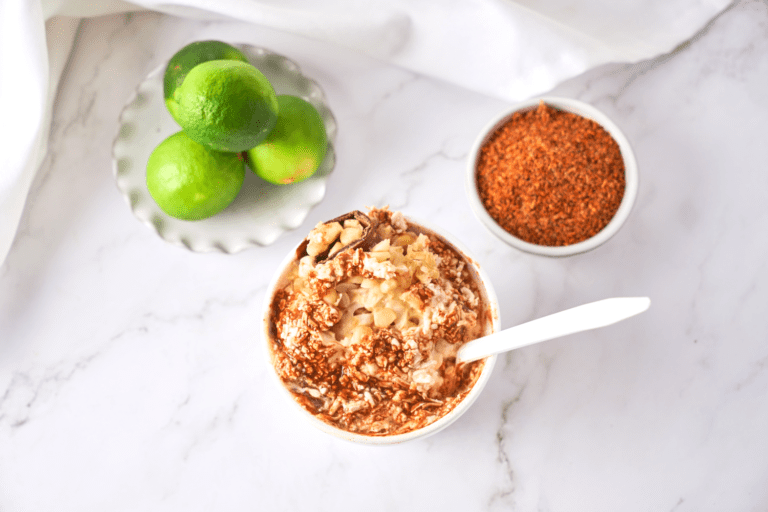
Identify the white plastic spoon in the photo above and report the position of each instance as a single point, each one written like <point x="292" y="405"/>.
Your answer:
<point x="581" y="318"/>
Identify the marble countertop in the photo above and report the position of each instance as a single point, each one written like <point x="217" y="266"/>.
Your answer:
<point x="133" y="376"/>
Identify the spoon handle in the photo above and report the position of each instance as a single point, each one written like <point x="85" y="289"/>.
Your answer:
<point x="581" y="318"/>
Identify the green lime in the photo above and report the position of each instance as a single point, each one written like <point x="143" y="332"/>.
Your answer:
<point x="191" y="182"/>
<point x="226" y="105"/>
<point x="190" y="56"/>
<point x="294" y="148"/>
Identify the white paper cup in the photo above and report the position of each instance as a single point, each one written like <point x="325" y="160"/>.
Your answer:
<point x="489" y="296"/>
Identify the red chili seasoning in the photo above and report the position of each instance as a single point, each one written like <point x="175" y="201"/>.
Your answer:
<point x="551" y="177"/>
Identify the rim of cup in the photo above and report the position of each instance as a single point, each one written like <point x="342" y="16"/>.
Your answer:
<point x="585" y="110"/>
<point x="433" y="428"/>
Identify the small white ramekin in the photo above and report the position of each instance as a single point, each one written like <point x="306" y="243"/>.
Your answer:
<point x="584" y="110"/>
<point x="453" y="415"/>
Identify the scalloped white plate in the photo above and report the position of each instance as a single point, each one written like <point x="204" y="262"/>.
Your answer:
<point x="262" y="211"/>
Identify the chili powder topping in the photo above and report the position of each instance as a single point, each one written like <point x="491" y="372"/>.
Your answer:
<point x="551" y="177"/>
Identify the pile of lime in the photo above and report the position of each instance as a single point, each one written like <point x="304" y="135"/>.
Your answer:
<point x="230" y="117"/>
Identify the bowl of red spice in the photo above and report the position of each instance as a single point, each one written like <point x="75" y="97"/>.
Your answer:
<point x="552" y="176"/>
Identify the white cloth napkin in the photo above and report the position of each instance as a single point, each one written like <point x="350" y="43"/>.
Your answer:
<point x="511" y="49"/>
